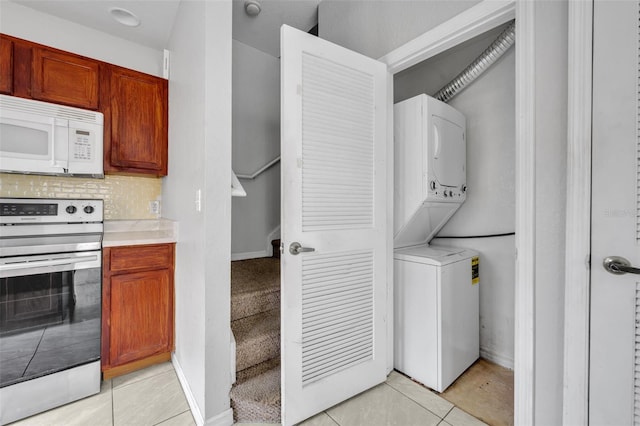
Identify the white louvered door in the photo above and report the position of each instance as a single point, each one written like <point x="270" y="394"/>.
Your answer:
<point x="614" y="389"/>
<point x="334" y="200"/>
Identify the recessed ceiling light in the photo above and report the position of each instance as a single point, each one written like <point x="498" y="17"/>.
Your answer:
<point x="124" y="16"/>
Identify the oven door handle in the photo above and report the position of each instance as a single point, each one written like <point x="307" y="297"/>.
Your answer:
<point x="47" y="263"/>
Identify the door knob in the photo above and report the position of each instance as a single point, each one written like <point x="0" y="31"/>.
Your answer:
<point x="296" y="248"/>
<point x="619" y="265"/>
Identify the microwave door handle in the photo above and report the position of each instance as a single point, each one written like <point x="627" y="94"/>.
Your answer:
<point x="54" y="161"/>
<point x="45" y="263"/>
<point x="53" y="142"/>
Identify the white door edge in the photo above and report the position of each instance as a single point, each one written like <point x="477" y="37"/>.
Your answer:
<point x="525" y="280"/>
<point x="389" y="254"/>
<point x="578" y="235"/>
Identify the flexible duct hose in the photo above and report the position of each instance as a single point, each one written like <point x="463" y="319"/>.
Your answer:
<point x="498" y="48"/>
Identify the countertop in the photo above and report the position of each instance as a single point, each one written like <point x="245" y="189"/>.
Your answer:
<point x="136" y="232"/>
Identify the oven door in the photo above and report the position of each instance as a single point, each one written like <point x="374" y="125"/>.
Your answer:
<point x="50" y="306"/>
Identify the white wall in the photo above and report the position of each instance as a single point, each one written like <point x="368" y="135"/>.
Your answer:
<point x="256" y="141"/>
<point x="375" y="28"/>
<point x="551" y="160"/>
<point x="489" y="107"/>
<point x="186" y="175"/>
<point x="200" y="159"/>
<point x="217" y="208"/>
<point x="26" y="23"/>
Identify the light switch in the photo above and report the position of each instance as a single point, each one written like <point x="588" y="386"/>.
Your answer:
<point x="199" y="200"/>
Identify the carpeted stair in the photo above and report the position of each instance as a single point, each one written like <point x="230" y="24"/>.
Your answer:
<point x="255" y="322"/>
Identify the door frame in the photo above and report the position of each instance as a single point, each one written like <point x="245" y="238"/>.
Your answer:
<point x="474" y="21"/>
<point x="578" y="235"/>
<point x="470" y="23"/>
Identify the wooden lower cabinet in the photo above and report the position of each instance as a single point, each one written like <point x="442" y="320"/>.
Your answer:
<point x="137" y="307"/>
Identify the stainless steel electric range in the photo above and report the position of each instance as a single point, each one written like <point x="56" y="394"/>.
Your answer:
<point x="50" y="303"/>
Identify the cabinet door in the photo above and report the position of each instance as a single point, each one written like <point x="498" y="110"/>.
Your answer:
<point x="138" y="106"/>
<point x="6" y="66"/>
<point x="64" y="78"/>
<point x="141" y="315"/>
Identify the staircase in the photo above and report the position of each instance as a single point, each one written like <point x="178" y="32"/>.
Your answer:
<point x="255" y="322"/>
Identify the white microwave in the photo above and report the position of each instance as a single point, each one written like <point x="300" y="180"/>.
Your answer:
<point x="44" y="138"/>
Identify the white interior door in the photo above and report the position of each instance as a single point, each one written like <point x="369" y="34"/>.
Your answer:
<point x="614" y="388"/>
<point x="334" y="200"/>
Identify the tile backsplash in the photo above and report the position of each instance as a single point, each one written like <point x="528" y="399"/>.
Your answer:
<point x="125" y="197"/>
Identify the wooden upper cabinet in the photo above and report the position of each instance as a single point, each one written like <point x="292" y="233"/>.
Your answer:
<point x="64" y="78"/>
<point x="6" y="66"/>
<point x="134" y="104"/>
<point x="138" y="123"/>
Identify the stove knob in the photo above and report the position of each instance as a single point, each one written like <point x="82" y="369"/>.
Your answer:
<point x="71" y="209"/>
<point x="89" y="209"/>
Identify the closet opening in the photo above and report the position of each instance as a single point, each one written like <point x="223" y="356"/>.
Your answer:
<point x="485" y="222"/>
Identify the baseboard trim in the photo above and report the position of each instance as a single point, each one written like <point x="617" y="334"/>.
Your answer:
<point x="120" y="370"/>
<point x="273" y="235"/>
<point x="191" y="400"/>
<point x="223" y="419"/>
<point x="496" y="358"/>
<point x="249" y="255"/>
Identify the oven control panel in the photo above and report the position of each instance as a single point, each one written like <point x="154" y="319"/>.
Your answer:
<point x="32" y="210"/>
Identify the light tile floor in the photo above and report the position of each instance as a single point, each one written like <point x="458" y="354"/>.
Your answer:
<point x="153" y="396"/>
<point x="397" y="402"/>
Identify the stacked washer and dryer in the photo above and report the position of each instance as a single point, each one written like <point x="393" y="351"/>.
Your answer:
<point x="436" y="291"/>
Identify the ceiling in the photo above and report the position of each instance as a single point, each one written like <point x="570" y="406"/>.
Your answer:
<point x="157" y="17"/>
<point x="263" y="31"/>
